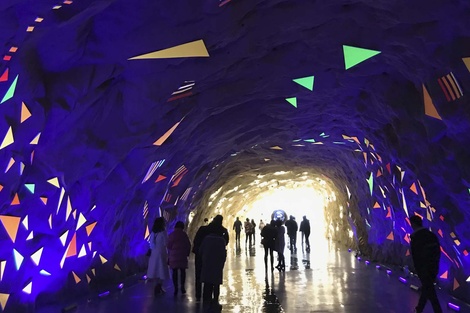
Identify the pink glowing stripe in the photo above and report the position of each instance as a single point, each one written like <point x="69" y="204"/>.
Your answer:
<point x="181" y="96"/>
<point x="444" y="89"/>
<point x="224" y="3"/>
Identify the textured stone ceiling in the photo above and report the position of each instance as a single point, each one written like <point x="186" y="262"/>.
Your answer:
<point x="99" y="114"/>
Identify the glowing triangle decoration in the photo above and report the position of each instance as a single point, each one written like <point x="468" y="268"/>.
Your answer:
<point x="30" y="236"/>
<point x="81" y="221"/>
<point x="50" y="221"/>
<point x="28" y="288"/>
<point x="44" y="273"/>
<point x="54" y="181"/>
<point x="444" y="275"/>
<point x="163" y="138"/>
<point x="76" y="278"/>
<point x="292" y="101"/>
<point x="467" y="63"/>
<point x="429" y="107"/>
<point x="35" y="140"/>
<point x="82" y="252"/>
<point x="8" y="139"/>
<point x="370" y="181"/>
<point x="116" y="267"/>
<point x="25" y="222"/>
<point x="2" y="268"/>
<point x="390" y="236"/>
<point x="407" y="252"/>
<point x="456" y="284"/>
<point x="88" y="279"/>
<point x="160" y="178"/>
<point x="61" y="197"/>
<point x="63" y="238"/>
<point x="354" y="55"/>
<point x="405" y="207"/>
<point x="413" y="188"/>
<point x="18" y="259"/>
<point x="188" y="50"/>
<point x="103" y="259"/>
<point x="69" y="209"/>
<point x="4" y="76"/>
<point x="21" y="168"/>
<point x="147" y="233"/>
<point x="3" y="300"/>
<point x="376" y="205"/>
<point x="72" y="248"/>
<point x="36" y="256"/>
<point x="43" y="199"/>
<point x="90" y="228"/>
<point x="11" y="224"/>
<point x="30" y="187"/>
<point x="306" y="82"/>
<point x="11" y="91"/>
<point x="25" y="114"/>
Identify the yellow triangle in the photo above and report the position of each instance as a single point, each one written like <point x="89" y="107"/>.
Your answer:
<point x="25" y="114"/>
<point x="3" y="299"/>
<point x="467" y="63"/>
<point x="11" y="224"/>
<point x="35" y="140"/>
<point x="103" y="260"/>
<point x="77" y="279"/>
<point x="8" y="140"/>
<point x="116" y="267"/>
<point x="276" y="148"/>
<point x="88" y="279"/>
<point x="191" y="49"/>
<point x="93" y="271"/>
<point x="54" y="181"/>
<point x="163" y="138"/>
<point x="429" y="108"/>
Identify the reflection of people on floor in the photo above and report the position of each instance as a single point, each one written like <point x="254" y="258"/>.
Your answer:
<point x="280" y="245"/>
<point x="248" y="232"/>
<point x="425" y="250"/>
<point x="214" y="227"/>
<point x="254" y="231"/>
<point x="158" y="267"/>
<point x="179" y="248"/>
<point x="305" y="230"/>
<point x="292" y="228"/>
<point x="237" y="226"/>
<point x="213" y="254"/>
<point x="269" y="235"/>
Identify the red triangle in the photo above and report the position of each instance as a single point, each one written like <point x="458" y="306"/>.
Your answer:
<point x="16" y="200"/>
<point x="4" y="76"/>
<point x="388" y="168"/>
<point x="160" y="178"/>
<point x="72" y="249"/>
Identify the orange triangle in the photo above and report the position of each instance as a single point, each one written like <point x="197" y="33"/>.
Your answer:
<point x="456" y="284"/>
<point x="25" y="114"/>
<point x="413" y="188"/>
<point x="72" y="248"/>
<point x="1" y="187"/>
<point x="390" y="236"/>
<point x="90" y="228"/>
<point x="389" y="214"/>
<point x="429" y="108"/>
<point x="77" y="279"/>
<point x="160" y="178"/>
<point x="11" y="224"/>
<point x="379" y="173"/>
<point x="165" y="136"/>
<point x="407" y="238"/>
<point x="388" y="168"/>
<point x="467" y="63"/>
<point x="4" y="76"/>
<point x="147" y="233"/>
<point x="376" y="205"/>
<point x="444" y="275"/>
<point x="43" y="199"/>
<point x="15" y="200"/>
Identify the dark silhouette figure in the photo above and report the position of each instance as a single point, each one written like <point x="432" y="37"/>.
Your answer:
<point x="292" y="229"/>
<point x="280" y="245"/>
<point x="213" y="254"/>
<point x="305" y="230"/>
<point x="214" y="227"/>
<point x="237" y="226"/>
<point x="426" y="253"/>
<point x="179" y="248"/>
<point x="269" y="235"/>
<point x="248" y="232"/>
<point x="254" y="231"/>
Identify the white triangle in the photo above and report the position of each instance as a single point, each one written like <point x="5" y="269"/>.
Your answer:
<point x="21" y="168"/>
<point x="8" y="140"/>
<point x="36" y="256"/>
<point x="61" y="197"/>
<point x="2" y="268"/>
<point x="18" y="259"/>
<point x="50" y="221"/>
<point x="82" y="252"/>
<point x="45" y="273"/>
<point x="63" y="238"/>
<point x="31" y="236"/>
<point x="28" y="288"/>
<point x="94" y="207"/>
<point x="81" y="221"/>
<point x="25" y="222"/>
<point x="35" y="140"/>
<point x="69" y="209"/>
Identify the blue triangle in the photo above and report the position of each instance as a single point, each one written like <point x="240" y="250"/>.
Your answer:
<point x="30" y="187"/>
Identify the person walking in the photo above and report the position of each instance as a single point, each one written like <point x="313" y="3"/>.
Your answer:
<point x="158" y="267"/>
<point x="269" y="235"/>
<point x="179" y="248"/>
<point x="280" y="245"/>
<point x="305" y="230"/>
<point x="292" y="228"/>
<point x="214" y="227"/>
<point x="248" y="232"/>
<point x="426" y="253"/>
<point x="253" y="231"/>
<point x="237" y="226"/>
<point x="261" y="225"/>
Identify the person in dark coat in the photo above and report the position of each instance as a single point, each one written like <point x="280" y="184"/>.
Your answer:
<point x="426" y="253"/>
<point x="292" y="228"/>
<point x="214" y="227"/>
<point x="269" y="235"/>
<point x="254" y="231"/>
<point x="305" y="230"/>
<point x="179" y="248"/>
<point x="237" y="226"/>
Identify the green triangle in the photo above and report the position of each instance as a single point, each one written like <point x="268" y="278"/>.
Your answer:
<point x="354" y="56"/>
<point x="306" y="82"/>
<point x="11" y="91"/>
<point x="292" y="101"/>
<point x="370" y="181"/>
<point x="30" y="187"/>
<point x="309" y="140"/>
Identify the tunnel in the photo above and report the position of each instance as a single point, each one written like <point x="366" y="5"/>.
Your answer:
<point x="114" y="112"/>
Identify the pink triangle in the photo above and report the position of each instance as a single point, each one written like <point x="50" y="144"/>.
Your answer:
<point x="160" y="178"/>
<point x="4" y="76"/>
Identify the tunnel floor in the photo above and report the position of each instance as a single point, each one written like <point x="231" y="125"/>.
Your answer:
<point x="332" y="280"/>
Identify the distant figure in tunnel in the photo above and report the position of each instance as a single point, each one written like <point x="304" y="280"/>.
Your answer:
<point x="179" y="248"/>
<point x="269" y="235"/>
<point x="305" y="230"/>
<point x="248" y="232"/>
<point x="214" y="227"/>
<point x="237" y="226"/>
<point x="213" y="255"/>
<point x="254" y="231"/>
<point x="261" y="225"/>
<point x="426" y="253"/>
<point x="158" y="267"/>
<point x="280" y="245"/>
<point x="292" y="228"/>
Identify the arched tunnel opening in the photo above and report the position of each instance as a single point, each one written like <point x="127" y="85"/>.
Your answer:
<point x="114" y="112"/>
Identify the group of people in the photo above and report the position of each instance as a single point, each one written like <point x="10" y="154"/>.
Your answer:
<point x="210" y="243"/>
<point x="250" y="231"/>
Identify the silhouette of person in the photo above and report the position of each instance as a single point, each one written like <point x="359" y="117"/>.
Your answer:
<point x="269" y="235"/>
<point x="292" y="228"/>
<point x="179" y="248"/>
<point x="214" y="227"/>
<point x="426" y="253"/>
<point x="254" y="231"/>
<point x="305" y="230"/>
<point x="261" y="225"/>
<point x="237" y="226"/>
<point x="248" y="232"/>
<point x="280" y="245"/>
<point x="158" y="267"/>
<point x="213" y="254"/>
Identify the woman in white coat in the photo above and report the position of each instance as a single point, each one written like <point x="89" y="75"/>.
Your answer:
<point x="158" y="262"/>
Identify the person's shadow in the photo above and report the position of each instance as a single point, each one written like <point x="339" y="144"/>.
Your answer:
<point x="271" y="303"/>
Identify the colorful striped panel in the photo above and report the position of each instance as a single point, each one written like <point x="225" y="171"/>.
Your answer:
<point x="450" y="87"/>
<point x="183" y="91"/>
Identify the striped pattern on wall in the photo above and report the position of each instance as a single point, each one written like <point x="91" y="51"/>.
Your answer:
<point x="450" y="86"/>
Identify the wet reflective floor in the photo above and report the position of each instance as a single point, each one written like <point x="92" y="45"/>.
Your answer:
<point x="325" y="280"/>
